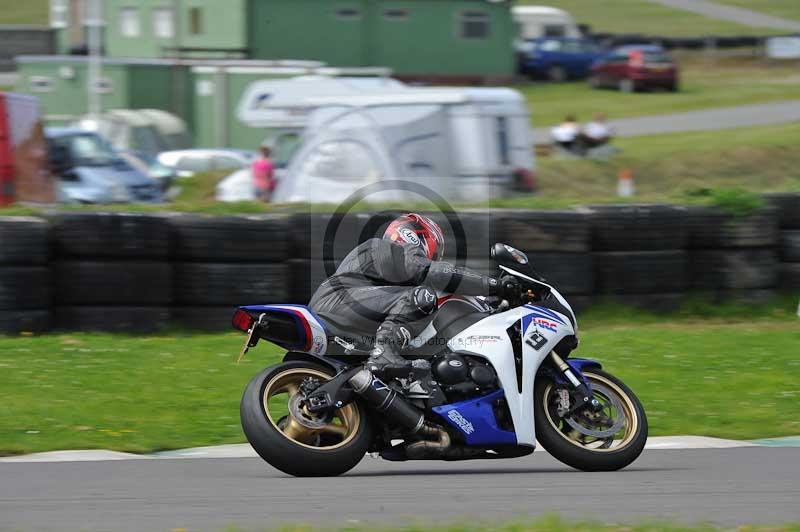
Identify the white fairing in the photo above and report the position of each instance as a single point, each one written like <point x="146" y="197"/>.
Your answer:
<point x="541" y="332"/>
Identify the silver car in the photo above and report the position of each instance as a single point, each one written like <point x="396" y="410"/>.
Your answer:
<point x="90" y="171"/>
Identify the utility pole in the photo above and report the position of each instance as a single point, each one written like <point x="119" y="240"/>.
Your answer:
<point x="94" y="26"/>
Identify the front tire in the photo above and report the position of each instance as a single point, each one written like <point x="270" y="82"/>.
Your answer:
<point x="293" y="440"/>
<point x="566" y="443"/>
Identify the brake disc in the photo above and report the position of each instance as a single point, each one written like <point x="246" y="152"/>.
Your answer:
<point x="607" y="433"/>
<point x="301" y="415"/>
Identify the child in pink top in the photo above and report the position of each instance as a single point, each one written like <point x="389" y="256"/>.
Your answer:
<point x="264" y="175"/>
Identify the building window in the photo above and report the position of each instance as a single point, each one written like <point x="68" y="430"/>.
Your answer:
<point x="474" y="25"/>
<point x="163" y="23"/>
<point x="348" y="13"/>
<point x="395" y="14"/>
<point x="129" y="22"/>
<point x="196" y="21"/>
<point x="41" y="84"/>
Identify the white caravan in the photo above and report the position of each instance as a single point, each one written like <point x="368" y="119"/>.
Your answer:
<point x="281" y="106"/>
<point x="467" y="144"/>
<point x="535" y="22"/>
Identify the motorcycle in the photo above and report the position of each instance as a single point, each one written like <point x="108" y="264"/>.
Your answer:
<point x="489" y="378"/>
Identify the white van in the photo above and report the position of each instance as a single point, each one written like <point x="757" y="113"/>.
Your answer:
<point x="466" y="145"/>
<point x="535" y="22"/>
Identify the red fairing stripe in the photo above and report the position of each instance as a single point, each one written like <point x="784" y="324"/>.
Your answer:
<point x="306" y="328"/>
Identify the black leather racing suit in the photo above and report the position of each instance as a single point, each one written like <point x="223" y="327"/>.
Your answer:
<point x="390" y="287"/>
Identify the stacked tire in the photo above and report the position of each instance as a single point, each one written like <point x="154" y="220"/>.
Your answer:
<point x="733" y="257"/>
<point x="558" y="245"/>
<point x="639" y="254"/>
<point x="319" y="242"/>
<point x="224" y="262"/>
<point x="112" y="272"/>
<point x="787" y="209"/>
<point x="25" y="279"/>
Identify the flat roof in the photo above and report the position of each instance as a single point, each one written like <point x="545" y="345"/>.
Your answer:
<point x="277" y="63"/>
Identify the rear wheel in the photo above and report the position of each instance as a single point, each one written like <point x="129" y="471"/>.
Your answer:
<point x="604" y="440"/>
<point x="290" y="438"/>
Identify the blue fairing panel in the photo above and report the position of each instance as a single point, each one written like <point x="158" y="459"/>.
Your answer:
<point x="475" y="419"/>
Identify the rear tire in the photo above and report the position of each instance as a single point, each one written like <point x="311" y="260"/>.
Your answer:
<point x="574" y="453"/>
<point x="283" y="452"/>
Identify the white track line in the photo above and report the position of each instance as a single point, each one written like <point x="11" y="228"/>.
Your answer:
<point x="244" y="450"/>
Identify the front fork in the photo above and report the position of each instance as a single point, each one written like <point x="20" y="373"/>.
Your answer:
<point x="581" y="392"/>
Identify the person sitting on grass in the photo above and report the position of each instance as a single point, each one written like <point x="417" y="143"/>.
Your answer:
<point x="566" y="135"/>
<point x="596" y="133"/>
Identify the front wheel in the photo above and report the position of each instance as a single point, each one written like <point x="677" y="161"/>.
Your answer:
<point x="294" y="440"/>
<point x="604" y="440"/>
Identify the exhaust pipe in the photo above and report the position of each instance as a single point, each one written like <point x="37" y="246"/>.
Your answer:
<point x="426" y="448"/>
<point x="387" y="401"/>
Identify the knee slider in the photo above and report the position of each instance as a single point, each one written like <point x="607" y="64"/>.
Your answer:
<point x="425" y="300"/>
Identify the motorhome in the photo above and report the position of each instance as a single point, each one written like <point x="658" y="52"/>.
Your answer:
<point x="281" y="106"/>
<point x="462" y="144"/>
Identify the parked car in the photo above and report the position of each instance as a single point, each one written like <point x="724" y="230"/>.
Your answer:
<point x="559" y="59"/>
<point x="189" y="162"/>
<point x="90" y="171"/>
<point x="636" y="68"/>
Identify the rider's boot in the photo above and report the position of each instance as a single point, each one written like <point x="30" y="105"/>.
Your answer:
<point x="389" y="341"/>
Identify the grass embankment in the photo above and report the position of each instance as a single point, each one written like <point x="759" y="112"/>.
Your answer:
<point x="705" y="83"/>
<point x="643" y="17"/>
<point x="32" y="12"/>
<point x="730" y="379"/>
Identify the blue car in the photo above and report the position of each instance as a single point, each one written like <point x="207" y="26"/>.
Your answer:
<point x="558" y="58"/>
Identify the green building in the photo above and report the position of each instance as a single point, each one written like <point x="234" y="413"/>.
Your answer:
<point x="443" y="40"/>
<point x="196" y="58"/>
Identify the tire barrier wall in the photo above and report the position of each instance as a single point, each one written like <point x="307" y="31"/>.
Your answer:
<point x="787" y="209"/>
<point x="141" y="272"/>
<point x="25" y="279"/>
<point x="686" y="43"/>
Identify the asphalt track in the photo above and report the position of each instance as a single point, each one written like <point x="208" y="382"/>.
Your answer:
<point x="726" y="486"/>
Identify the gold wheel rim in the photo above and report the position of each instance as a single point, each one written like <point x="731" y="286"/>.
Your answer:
<point x="631" y="424"/>
<point x="309" y="432"/>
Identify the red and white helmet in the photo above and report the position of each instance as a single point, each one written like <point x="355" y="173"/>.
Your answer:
<point x="417" y="230"/>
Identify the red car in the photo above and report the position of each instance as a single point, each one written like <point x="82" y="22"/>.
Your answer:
<point x="635" y="68"/>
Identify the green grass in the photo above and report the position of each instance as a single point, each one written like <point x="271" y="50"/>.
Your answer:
<point x="32" y="12"/>
<point x="640" y="16"/>
<point x="721" y="83"/>
<point x="788" y="9"/>
<point x="678" y="168"/>
<point x="732" y="376"/>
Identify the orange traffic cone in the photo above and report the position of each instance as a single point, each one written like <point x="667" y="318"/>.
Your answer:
<point x="625" y="187"/>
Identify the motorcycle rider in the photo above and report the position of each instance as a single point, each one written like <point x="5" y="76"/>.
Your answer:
<point x="392" y="282"/>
